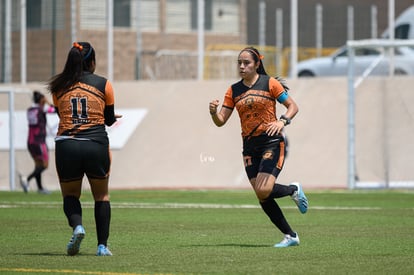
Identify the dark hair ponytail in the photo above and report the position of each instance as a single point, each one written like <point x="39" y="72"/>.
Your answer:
<point x="88" y="55"/>
<point x="282" y="82"/>
<point x="79" y="59"/>
<point x="257" y="58"/>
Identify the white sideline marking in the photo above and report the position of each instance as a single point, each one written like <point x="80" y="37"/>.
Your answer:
<point x="8" y="204"/>
<point x="378" y="185"/>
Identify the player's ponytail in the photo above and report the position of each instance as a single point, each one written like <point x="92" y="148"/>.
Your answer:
<point x="80" y="58"/>
<point x="88" y="55"/>
<point x="282" y="82"/>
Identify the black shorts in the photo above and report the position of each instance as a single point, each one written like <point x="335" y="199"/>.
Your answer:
<point x="76" y="158"/>
<point x="264" y="154"/>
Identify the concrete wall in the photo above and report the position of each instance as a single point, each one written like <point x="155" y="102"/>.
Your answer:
<point x="178" y="146"/>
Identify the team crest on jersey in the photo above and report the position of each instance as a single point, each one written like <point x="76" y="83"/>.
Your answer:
<point x="268" y="155"/>
<point x="249" y="102"/>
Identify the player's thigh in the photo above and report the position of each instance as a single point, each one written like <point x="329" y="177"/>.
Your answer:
<point x="43" y="158"/>
<point x="263" y="185"/>
<point x="38" y="151"/>
<point x="71" y="188"/>
<point x="97" y="160"/>
<point x="68" y="160"/>
<point x="271" y="163"/>
<point x="99" y="188"/>
<point x="97" y="168"/>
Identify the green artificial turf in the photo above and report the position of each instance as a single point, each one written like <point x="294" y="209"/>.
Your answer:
<point x="212" y="232"/>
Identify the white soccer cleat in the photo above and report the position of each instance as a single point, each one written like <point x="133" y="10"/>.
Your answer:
<point x="74" y="243"/>
<point x="23" y="183"/>
<point x="288" y="241"/>
<point x="103" y="251"/>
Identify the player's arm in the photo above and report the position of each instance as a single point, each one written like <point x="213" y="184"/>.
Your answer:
<point x="291" y="108"/>
<point x="281" y="93"/>
<point x="109" y="111"/>
<point x="219" y="118"/>
<point x="55" y="104"/>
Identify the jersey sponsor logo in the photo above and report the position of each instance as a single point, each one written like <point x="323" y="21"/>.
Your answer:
<point x="268" y="154"/>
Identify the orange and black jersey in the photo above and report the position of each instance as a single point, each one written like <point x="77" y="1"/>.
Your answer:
<point x="85" y="108"/>
<point x="256" y="105"/>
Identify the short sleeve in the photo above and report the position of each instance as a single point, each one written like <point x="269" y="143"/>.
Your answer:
<point x="109" y="94"/>
<point x="228" y="99"/>
<point x="275" y="87"/>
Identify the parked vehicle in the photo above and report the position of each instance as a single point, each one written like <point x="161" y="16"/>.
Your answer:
<point x="404" y="25"/>
<point x="337" y="63"/>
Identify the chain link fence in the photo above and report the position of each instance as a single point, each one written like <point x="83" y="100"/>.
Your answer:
<point x="158" y="39"/>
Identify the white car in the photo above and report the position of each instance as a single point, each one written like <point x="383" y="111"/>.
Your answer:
<point x="337" y="63"/>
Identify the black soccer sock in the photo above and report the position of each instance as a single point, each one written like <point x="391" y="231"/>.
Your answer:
<point x="37" y="174"/>
<point x="280" y="191"/>
<point x="38" y="178"/>
<point x="102" y="220"/>
<point x="73" y="210"/>
<point x="273" y="211"/>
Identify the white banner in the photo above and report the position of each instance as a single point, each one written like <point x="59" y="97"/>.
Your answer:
<point x="118" y="133"/>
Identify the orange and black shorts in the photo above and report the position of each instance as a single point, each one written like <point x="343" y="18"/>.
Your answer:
<point x="263" y="154"/>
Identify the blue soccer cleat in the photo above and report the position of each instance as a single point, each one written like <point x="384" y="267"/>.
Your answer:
<point x="288" y="241"/>
<point x="103" y="251"/>
<point x="74" y="243"/>
<point x="299" y="198"/>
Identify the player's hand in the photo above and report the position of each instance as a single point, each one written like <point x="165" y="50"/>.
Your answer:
<point x="274" y="127"/>
<point x="118" y="116"/>
<point x="213" y="106"/>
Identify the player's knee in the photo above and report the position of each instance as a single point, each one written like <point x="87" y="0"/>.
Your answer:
<point x="262" y="194"/>
<point x="263" y="185"/>
<point x="39" y="169"/>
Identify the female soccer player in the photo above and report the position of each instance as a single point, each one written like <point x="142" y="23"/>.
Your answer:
<point x="36" y="140"/>
<point x="85" y="104"/>
<point x="255" y="97"/>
